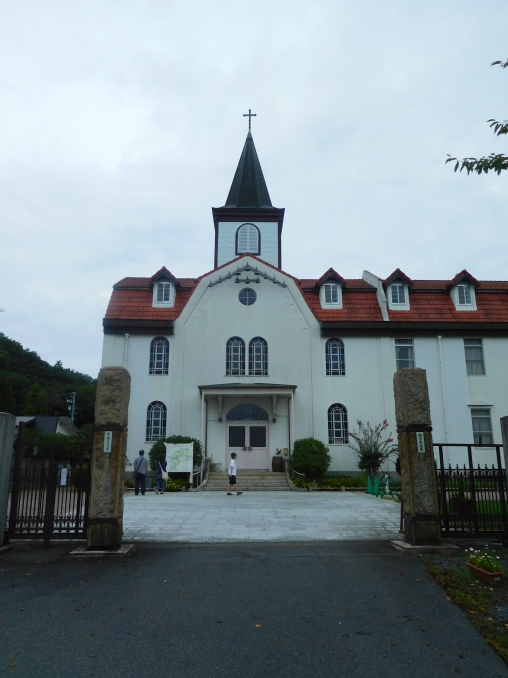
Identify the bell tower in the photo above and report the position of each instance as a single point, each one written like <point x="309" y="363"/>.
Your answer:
<point x="248" y="222"/>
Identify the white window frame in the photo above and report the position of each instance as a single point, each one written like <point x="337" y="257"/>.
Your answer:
<point x="163" y="304"/>
<point x="159" y="356"/>
<point x="258" y="357"/>
<point x="235" y="354"/>
<point x="156" y="418"/>
<point x="398" y="344"/>
<point x="396" y="305"/>
<point x="487" y="414"/>
<point x="455" y="298"/>
<point x="335" y="358"/>
<point x="343" y="425"/>
<point x="473" y="361"/>
<point x="250" y="228"/>
<point x="333" y="286"/>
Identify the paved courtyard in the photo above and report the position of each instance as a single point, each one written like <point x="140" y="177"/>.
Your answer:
<point x="259" y="516"/>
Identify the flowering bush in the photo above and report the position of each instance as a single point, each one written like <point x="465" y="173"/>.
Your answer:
<point x="368" y="447"/>
<point x="486" y="559"/>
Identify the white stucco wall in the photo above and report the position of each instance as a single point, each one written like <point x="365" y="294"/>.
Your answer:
<point x="226" y="243"/>
<point x="296" y="355"/>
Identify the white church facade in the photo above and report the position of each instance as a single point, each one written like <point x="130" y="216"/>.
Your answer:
<point x="248" y="358"/>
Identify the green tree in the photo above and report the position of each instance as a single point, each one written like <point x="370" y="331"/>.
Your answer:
<point x="369" y="448"/>
<point x="310" y="456"/>
<point x="35" y="405"/>
<point x="496" y="162"/>
<point x="6" y="397"/>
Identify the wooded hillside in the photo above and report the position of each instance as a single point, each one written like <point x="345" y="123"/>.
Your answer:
<point x="30" y="385"/>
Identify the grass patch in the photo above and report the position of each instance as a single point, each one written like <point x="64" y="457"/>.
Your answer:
<point x="485" y="606"/>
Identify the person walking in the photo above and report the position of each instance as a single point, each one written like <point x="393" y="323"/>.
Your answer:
<point x="232" y="475"/>
<point x="162" y="476"/>
<point x="140" y="471"/>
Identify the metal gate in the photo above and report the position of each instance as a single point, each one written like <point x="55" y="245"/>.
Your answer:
<point x="472" y="500"/>
<point x="49" y="490"/>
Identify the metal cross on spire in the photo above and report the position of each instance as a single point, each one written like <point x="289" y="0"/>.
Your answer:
<point x="249" y="115"/>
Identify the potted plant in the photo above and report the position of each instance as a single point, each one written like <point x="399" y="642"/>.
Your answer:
<point x="485" y="565"/>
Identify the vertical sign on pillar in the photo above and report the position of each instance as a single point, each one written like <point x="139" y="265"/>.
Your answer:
<point x="108" y="442"/>
<point x="420" y="442"/>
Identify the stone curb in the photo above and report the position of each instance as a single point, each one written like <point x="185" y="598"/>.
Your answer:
<point x="409" y="549"/>
<point x="82" y="552"/>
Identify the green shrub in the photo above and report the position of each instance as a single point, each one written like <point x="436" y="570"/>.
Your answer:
<point x="310" y="456"/>
<point x="176" y="484"/>
<point x="346" y="481"/>
<point x="300" y="482"/>
<point x="158" y="450"/>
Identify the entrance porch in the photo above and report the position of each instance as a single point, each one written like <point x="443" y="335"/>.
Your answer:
<point x="256" y="421"/>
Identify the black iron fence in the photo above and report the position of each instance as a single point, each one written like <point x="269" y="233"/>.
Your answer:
<point x="472" y="498"/>
<point x="49" y="490"/>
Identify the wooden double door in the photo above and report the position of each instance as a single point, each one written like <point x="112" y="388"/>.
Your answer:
<point x="249" y="441"/>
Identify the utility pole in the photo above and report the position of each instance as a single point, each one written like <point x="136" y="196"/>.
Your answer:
<point x="71" y="405"/>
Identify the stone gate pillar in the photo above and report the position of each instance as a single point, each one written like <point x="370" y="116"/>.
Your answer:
<point x="105" y="512"/>
<point x="422" y="524"/>
<point x="7" y="425"/>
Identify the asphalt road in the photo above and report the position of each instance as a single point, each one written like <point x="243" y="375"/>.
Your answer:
<point x="288" y="610"/>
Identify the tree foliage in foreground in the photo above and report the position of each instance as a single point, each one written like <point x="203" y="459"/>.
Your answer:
<point x="371" y="447"/>
<point x="495" y="162"/>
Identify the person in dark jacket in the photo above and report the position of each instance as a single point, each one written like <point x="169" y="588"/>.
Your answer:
<point x="160" y="484"/>
<point x="140" y="471"/>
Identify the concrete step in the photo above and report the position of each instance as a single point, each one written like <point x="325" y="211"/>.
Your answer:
<point x="249" y="481"/>
<point x="249" y="489"/>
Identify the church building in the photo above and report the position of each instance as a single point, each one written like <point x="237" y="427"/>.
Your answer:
<point x="248" y="358"/>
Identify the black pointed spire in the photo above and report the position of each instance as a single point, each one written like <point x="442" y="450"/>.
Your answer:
<point x="249" y="187"/>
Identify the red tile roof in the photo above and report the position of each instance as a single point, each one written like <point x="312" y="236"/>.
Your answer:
<point x="357" y="307"/>
<point x="429" y="300"/>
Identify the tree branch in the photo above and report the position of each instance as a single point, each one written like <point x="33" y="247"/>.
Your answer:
<point x="494" y="162"/>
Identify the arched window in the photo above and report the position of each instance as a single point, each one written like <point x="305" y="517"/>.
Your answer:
<point x="337" y="425"/>
<point x="159" y="356"/>
<point x="248" y="239"/>
<point x="156" y="421"/>
<point x="258" y="357"/>
<point x="247" y="413"/>
<point x="335" y="363"/>
<point x="235" y="356"/>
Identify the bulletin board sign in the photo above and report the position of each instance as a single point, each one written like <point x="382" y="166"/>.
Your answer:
<point x="179" y="457"/>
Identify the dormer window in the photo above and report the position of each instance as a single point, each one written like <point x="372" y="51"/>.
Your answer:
<point x="331" y="296"/>
<point x="464" y="293"/>
<point x="398" y="293"/>
<point x="163" y="293"/>
<point x="397" y="296"/>
<point x="397" y="287"/>
<point x="463" y="296"/>
<point x="331" y="293"/>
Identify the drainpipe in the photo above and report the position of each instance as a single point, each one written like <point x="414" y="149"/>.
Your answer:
<point x="443" y="391"/>
<point x="126" y="351"/>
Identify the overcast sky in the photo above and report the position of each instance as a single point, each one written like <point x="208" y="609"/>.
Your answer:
<point x="121" y="126"/>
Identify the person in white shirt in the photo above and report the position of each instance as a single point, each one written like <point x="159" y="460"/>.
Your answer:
<point x="232" y="474"/>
